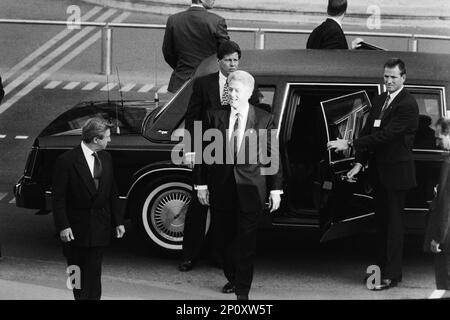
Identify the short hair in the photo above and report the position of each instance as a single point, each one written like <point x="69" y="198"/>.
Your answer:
<point x="94" y="127"/>
<point x="228" y="47"/>
<point x="392" y="62"/>
<point x="244" y="77"/>
<point x="444" y="123"/>
<point x="336" y="7"/>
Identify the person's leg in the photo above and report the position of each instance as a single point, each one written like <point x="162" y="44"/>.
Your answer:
<point x="380" y="224"/>
<point x="441" y="270"/>
<point x="93" y="267"/>
<point x="74" y="257"/>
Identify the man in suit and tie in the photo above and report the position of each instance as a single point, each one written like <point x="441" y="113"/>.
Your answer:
<point x="235" y="184"/>
<point x="209" y="91"/>
<point x="437" y="239"/>
<point x="190" y="37"/>
<point x="329" y="34"/>
<point x="386" y="143"/>
<point x="85" y="205"/>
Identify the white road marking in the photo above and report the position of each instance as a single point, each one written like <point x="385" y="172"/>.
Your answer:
<point x="90" y="86"/>
<point x="52" y="84"/>
<point x="71" y="85"/>
<point x="39" y="51"/>
<point x="437" y="294"/>
<point x="56" y="66"/>
<point x="13" y="200"/>
<point x="2" y="195"/>
<point x="163" y="89"/>
<point x="128" y="87"/>
<point x="2" y="136"/>
<point x="146" y="88"/>
<point x="21" y="137"/>
<point x="108" y="86"/>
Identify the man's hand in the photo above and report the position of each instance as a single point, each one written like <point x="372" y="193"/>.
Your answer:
<point x="274" y="201"/>
<point x="120" y="231"/>
<point x="203" y="197"/>
<point x="354" y="171"/>
<point x="338" y="145"/>
<point x="356" y="43"/>
<point x="189" y="160"/>
<point x="66" y="235"/>
<point x="434" y="246"/>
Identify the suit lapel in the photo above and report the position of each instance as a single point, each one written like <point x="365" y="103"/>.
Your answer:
<point x="394" y="103"/>
<point x="84" y="172"/>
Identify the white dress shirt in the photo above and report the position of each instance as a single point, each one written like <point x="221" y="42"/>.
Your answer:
<point x="393" y="95"/>
<point x="90" y="159"/>
<point x="243" y="115"/>
<point x="222" y="81"/>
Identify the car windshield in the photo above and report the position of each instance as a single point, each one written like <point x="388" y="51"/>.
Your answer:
<point x="129" y="119"/>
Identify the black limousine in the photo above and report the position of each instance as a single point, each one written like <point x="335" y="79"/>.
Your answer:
<point x="315" y="96"/>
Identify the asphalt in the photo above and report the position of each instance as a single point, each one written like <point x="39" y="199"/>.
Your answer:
<point x="391" y="12"/>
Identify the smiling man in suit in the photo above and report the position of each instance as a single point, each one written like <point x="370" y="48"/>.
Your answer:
<point x="85" y="205"/>
<point x="191" y="36"/>
<point x="235" y="185"/>
<point x="386" y="143"/>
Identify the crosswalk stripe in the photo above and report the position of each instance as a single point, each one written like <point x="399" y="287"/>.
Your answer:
<point x="108" y="86"/>
<point x="13" y="200"/>
<point x="52" y="84"/>
<point x="56" y="66"/>
<point x="48" y="45"/>
<point x="128" y="87"/>
<point x="163" y="89"/>
<point x="90" y="86"/>
<point x="146" y="88"/>
<point x="437" y="294"/>
<point x="2" y="195"/>
<point x="2" y="136"/>
<point x="71" y="85"/>
<point x="21" y="137"/>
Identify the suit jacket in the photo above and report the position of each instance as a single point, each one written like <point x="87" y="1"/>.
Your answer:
<point x="439" y="215"/>
<point x="250" y="183"/>
<point x="388" y="148"/>
<point x="190" y="37"/>
<point x="77" y="204"/>
<point x="328" y="35"/>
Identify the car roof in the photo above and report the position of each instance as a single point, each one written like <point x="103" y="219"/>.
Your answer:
<point x="336" y="63"/>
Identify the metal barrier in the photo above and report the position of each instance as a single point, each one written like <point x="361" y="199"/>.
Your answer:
<point x="259" y="35"/>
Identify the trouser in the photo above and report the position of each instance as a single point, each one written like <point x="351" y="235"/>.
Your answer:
<point x="194" y="228"/>
<point x="89" y="260"/>
<point x="234" y="234"/>
<point x="441" y="270"/>
<point x="389" y="205"/>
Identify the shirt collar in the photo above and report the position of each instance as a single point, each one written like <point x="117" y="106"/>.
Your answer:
<point x="197" y="5"/>
<point x="395" y="93"/>
<point x="337" y="21"/>
<point x="222" y="77"/>
<point x="243" y="112"/>
<point x="86" y="150"/>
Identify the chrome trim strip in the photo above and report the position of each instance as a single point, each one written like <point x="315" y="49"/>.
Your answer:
<point x="358" y="217"/>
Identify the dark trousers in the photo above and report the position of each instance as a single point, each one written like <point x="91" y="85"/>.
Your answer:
<point x="194" y="228"/>
<point x="89" y="260"/>
<point x="234" y="234"/>
<point x="442" y="270"/>
<point x="389" y="205"/>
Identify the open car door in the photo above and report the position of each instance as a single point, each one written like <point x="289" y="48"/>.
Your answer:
<point x="348" y="205"/>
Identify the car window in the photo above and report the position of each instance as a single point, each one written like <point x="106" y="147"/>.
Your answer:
<point x="429" y="101"/>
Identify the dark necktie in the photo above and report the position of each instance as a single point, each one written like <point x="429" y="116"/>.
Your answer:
<point x="225" y="94"/>
<point x="97" y="169"/>
<point x="385" y="106"/>
<point x="235" y="137"/>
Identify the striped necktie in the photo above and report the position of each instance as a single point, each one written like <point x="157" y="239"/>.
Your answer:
<point x="225" y="94"/>
<point x="385" y="106"/>
<point x="97" y="169"/>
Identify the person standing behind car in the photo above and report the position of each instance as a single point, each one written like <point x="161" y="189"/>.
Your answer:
<point x="209" y="91"/>
<point x="85" y="205"/>
<point x="437" y="239"/>
<point x="190" y="37"/>
<point x="386" y="143"/>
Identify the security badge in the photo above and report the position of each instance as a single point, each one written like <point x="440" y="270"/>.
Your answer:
<point x="377" y="123"/>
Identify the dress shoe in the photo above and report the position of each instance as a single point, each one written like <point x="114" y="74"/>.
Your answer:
<point x="228" y="288"/>
<point x="242" y="297"/>
<point x="186" y="266"/>
<point x="386" y="284"/>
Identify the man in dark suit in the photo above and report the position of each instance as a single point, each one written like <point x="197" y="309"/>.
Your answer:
<point x="235" y="184"/>
<point x="437" y="239"/>
<point x="190" y="37"/>
<point x="386" y="143"/>
<point x="209" y="91"/>
<point x="84" y="198"/>
<point x="329" y="34"/>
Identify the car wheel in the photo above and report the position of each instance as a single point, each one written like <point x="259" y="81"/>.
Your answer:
<point x="161" y="211"/>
